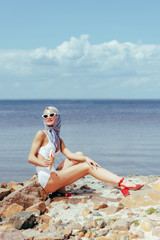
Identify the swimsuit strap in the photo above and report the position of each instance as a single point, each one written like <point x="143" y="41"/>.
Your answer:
<point x="46" y="134"/>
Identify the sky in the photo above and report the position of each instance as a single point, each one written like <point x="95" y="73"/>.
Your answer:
<point x="86" y="49"/>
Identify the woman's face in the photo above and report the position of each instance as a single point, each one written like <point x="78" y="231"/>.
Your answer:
<point x="50" y="120"/>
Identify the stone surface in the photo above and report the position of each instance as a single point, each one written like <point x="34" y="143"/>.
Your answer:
<point x="6" y="226"/>
<point x="156" y="231"/>
<point x="39" y="207"/>
<point x="4" y="192"/>
<point x="3" y="185"/>
<point x="26" y="196"/>
<point x="23" y="220"/>
<point x="86" y="211"/>
<point x="121" y="225"/>
<point x="142" y="198"/>
<point x="98" y="206"/>
<point x="156" y="185"/>
<point x="11" y="235"/>
<point x="146" y="225"/>
<point x="96" y="210"/>
<point x="30" y="233"/>
<point x="7" y="211"/>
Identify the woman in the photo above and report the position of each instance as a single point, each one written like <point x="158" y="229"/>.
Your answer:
<point x="71" y="169"/>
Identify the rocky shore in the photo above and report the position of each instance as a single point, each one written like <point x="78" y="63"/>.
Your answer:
<point x="95" y="210"/>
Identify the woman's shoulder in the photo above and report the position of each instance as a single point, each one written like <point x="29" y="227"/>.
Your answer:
<point x="41" y="134"/>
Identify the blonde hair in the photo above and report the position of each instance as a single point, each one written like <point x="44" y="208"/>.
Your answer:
<point x="52" y="109"/>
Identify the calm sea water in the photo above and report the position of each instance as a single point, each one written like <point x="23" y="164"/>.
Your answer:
<point x="121" y="135"/>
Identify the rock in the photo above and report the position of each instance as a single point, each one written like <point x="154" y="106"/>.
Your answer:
<point x="23" y="220"/>
<point x="85" y="212"/>
<point x="44" y="227"/>
<point x="121" y="225"/>
<point x="25" y="196"/>
<point x="4" y="192"/>
<point x="103" y="224"/>
<point x="88" y="235"/>
<point x="65" y="207"/>
<point x="7" y="211"/>
<point x="156" y="231"/>
<point x="105" y="238"/>
<point x="90" y="224"/>
<point x="97" y="214"/>
<point x="39" y="207"/>
<point x="156" y="185"/>
<point x="3" y="185"/>
<point x="72" y="200"/>
<point x="79" y="234"/>
<point x="67" y="232"/>
<point x="111" y="210"/>
<point x="30" y="233"/>
<point x="6" y="226"/>
<point x="13" y="186"/>
<point x="141" y="198"/>
<point x="11" y="234"/>
<point x="85" y="186"/>
<point x="45" y="219"/>
<point x="146" y="225"/>
<point x="104" y="231"/>
<point x="49" y="236"/>
<point x="76" y="226"/>
<point x="98" y="206"/>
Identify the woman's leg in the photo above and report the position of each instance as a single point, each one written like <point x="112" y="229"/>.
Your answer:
<point x="71" y="174"/>
<point x="65" y="164"/>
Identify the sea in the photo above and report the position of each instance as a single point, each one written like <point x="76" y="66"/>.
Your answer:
<point x="122" y="136"/>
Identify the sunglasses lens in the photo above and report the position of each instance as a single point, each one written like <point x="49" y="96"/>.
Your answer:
<point x="52" y="114"/>
<point x="45" y="116"/>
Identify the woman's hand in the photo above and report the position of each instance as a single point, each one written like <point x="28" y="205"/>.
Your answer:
<point x="92" y="163"/>
<point x="46" y="162"/>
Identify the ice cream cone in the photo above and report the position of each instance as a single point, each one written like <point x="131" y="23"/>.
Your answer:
<point x="51" y="157"/>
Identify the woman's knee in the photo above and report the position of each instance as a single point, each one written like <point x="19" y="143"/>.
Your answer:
<point x="86" y="167"/>
<point x="80" y="153"/>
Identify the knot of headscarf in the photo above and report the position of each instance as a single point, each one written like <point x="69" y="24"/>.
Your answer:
<point x="54" y="131"/>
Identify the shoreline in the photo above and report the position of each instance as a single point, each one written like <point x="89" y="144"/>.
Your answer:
<point x="96" y="210"/>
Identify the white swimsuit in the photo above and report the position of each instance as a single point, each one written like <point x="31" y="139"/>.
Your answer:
<point x="44" y="172"/>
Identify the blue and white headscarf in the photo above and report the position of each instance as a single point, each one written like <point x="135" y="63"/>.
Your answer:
<point x="54" y="131"/>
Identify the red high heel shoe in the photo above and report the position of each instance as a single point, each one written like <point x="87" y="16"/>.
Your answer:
<point x="68" y="195"/>
<point x="125" y="189"/>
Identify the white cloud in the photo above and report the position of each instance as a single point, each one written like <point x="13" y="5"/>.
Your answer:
<point x="124" y="64"/>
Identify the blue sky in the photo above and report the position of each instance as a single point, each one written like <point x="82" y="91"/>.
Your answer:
<point x="79" y="49"/>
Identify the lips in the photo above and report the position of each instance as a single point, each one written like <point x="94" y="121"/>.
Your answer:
<point x="49" y="121"/>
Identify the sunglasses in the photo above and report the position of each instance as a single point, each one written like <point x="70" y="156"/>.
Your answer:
<point x="50" y="115"/>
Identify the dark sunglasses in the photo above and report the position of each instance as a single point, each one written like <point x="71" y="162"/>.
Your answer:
<point x="50" y="115"/>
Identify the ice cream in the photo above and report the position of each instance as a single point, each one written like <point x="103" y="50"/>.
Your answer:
<point x="51" y="157"/>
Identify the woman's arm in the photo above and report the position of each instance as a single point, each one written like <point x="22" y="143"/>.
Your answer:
<point x="37" y="142"/>
<point x="70" y="155"/>
<point x="76" y="157"/>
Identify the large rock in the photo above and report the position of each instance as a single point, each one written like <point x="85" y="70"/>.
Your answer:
<point x="3" y="185"/>
<point x="156" y="185"/>
<point x="7" y="211"/>
<point x="13" y="186"/>
<point x="121" y="225"/>
<point x="30" y="233"/>
<point x="11" y="234"/>
<point x="39" y="208"/>
<point x="146" y="225"/>
<point x="4" y="192"/>
<point x="26" y="196"/>
<point x="141" y="198"/>
<point x="23" y="220"/>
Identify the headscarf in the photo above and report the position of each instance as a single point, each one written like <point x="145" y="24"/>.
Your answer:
<point x="54" y="131"/>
